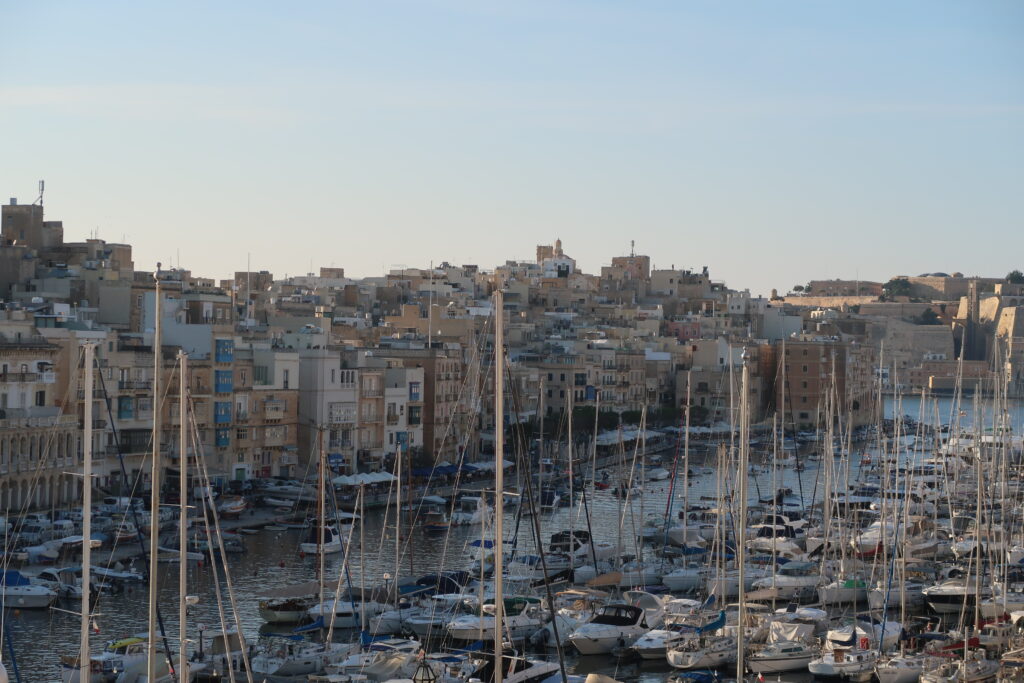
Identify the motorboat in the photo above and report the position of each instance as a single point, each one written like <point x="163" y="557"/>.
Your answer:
<point x="521" y="617"/>
<point x="326" y="539"/>
<point x="17" y="591"/>
<point x="904" y="668"/>
<point x="116" y="657"/>
<point x="618" y="624"/>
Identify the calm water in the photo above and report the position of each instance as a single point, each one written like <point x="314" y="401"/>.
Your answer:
<point x="272" y="560"/>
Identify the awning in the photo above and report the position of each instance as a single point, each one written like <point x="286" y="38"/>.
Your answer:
<point x="362" y="479"/>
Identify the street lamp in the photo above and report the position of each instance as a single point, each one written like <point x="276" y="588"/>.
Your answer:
<point x="424" y="674"/>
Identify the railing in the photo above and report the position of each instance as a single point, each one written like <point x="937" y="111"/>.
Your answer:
<point x="372" y="393"/>
<point x="288" y="459"/>
<point x="371" y="417"/>
<point x="135" y="385"/>
<point x="392" y="419"/>
<point x="273" y="410"/>
<point x="339" y="445"/>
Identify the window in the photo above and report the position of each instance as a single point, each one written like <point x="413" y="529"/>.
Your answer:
<point x="286" y="372"/>
<point x="242" y="434"/>
<point x="40" y="398"/>
<point x="562" y="377"/>
<point x="551" y="377"/>
<point x="803" y="399"/>
<point x="804" y="368"/>
<point x="332" y="376"/>
<point x="803" y="385"/>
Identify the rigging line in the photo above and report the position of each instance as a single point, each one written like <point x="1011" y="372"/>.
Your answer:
<point x="201" y="462"/>
<point x="478" y="362"/>
<point x="215" y="579"/>
<point x="132" y="487"/>
<point x="544" y="567"/>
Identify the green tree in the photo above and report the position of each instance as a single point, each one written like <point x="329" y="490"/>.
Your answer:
<point x="798" y="288"/>
<point x="1015" y="277"/>
<point x="928" y="317"/>
<point x="898" y="286"/>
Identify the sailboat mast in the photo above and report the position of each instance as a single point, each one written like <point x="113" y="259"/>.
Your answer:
<point x="499" y="478"/>
<point x="154" y="484"/>
<point x="83" y="657"/>
<point x="183" y="513"/>
<point x="321" y="518"/>
<point x="398" y="519"/>
<point x="741" y="549"/>
<point x="572" y="500"/>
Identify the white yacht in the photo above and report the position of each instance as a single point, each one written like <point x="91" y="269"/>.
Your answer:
<point x="618" y="625"/>
<point x="783" y="655"/>
<point x="521" y="618"/>
<point x="331" y="542"/>
<point x="703" y="653"/>
<point x="847" y="663"/>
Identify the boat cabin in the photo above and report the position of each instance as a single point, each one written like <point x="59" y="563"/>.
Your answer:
<point x="618" y="615"/>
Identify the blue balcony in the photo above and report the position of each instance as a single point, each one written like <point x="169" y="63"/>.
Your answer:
<point x="224" y="382"/>
<point x="221" y="413"/>
<point x="223" y="438"/>
<point x="224" y="350"/>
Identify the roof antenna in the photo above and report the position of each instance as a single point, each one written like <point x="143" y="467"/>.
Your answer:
<point x="42" y="186"/>
<point x="632" y="248"/>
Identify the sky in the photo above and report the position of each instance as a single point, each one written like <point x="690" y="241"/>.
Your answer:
<point x="774" y="142"/>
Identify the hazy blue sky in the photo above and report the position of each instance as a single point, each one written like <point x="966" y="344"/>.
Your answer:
<point x="774" y="142"/>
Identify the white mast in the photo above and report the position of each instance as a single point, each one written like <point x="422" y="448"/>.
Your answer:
<point x="83" y="657"/>
<point x="499" y="478"/>
<point x="154" y="483"/>
<point x="183" y="514"/>
<point x="742" y="530"/>
<point x="572" y="500"/>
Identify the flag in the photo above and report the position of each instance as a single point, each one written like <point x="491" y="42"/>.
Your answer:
<point x="95" y="626"/>
<point x="760" y="676"/>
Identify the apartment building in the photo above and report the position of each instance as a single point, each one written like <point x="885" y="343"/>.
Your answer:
<point x="39" y="443"/>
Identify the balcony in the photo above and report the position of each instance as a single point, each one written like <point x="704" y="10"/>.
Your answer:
<point x="371" y="418"/>
<point x="241" y="416"/>
<point x="372" y="393"/>
<point x="392" y="418"/>
<point x="273" y="410"/>
<point x="339" y="445"/>
<point x="96" y="393"/>
<point x="19" y="377"/>
<point x="135" y="385"/>
<point x="288" y="459"/>
<point x="273" y="437"/>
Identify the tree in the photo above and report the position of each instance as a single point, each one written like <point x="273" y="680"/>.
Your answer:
<point x="1015" y="277"/>
<point x="928" y="317"/>
<point x="798" y="288"/>
<point x="898" y="286"/>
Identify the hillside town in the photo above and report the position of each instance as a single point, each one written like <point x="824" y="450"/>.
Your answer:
<point x="367" y="369"/>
